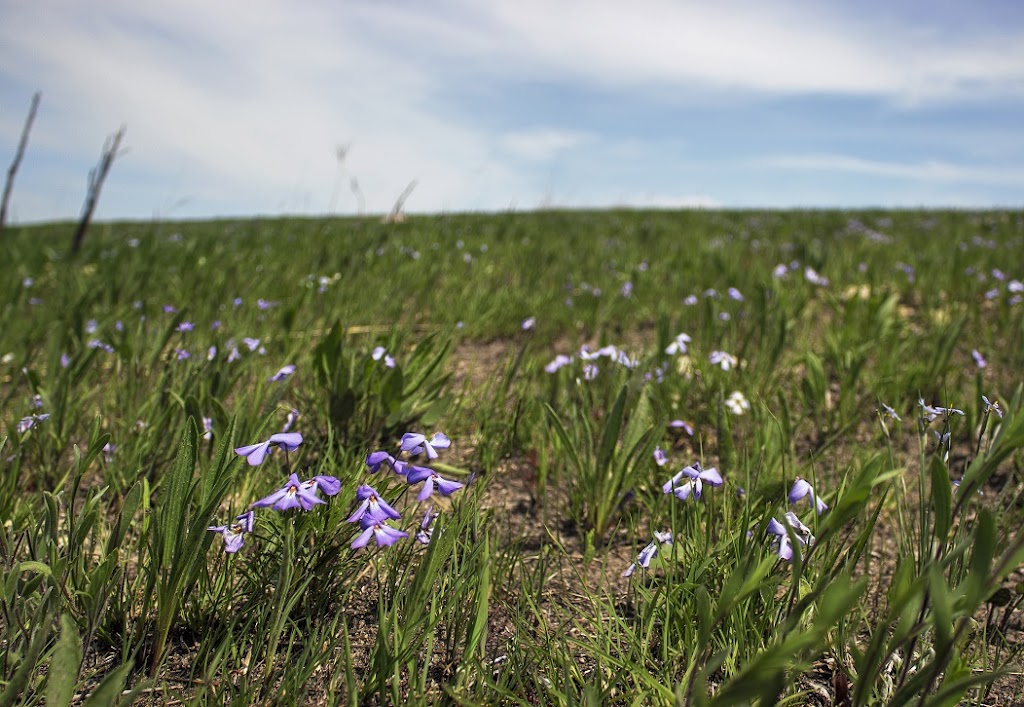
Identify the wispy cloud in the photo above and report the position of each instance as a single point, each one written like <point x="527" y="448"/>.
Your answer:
<point x="542" y="144"/>
<point x="927" y="171"/>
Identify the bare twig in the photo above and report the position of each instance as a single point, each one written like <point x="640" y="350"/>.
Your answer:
<point x="396" y="215"/>
<point x="9" y="185"/>
<point x="96" y="178"/>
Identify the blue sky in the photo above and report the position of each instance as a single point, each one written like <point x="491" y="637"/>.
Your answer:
<point x="239" y="108"/>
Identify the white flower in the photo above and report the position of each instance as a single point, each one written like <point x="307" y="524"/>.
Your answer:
<point x="737" y="403"/>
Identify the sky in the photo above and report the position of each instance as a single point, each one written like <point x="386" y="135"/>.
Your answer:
<point x="308" y="108"/>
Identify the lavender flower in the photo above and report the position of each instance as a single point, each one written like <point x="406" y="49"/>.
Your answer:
<point x="682" y="425"/>
<point x="556" y="363"/>
<point x="290" y="419"/>
<point x="381" y="352"/>
<point x="182" y="354"/>
<point x="528" y="323"/>
<point x="294" y="494"/>
<point x="991" y="406"/>
<point x="802" y="488"/>
<point x="891" y="413"/>
<point x="735" y="294"/>
<point x="660" y="458"/>
<point x="283" y="373"/>
<point x="234" y="533"/>
<point x="416" y="443"/>
<point x="696" y="477"/>
<point x="690" y="300"/>
<point x="812" y="276"/>
<point x="372" y="506"/>
<point x="445" y="487"/>
<point x="250" y="343"/>
<point x="649" y="552"/>
<point x="27" y="423"/>
<point x="678" y="345"/>
<point x="108" y="452"/>
<point x="803" y="534"/>
<point x="254" y="453"/>
<point x="725" y="360"/>
<point x="979" y="360"/>
<point x="207" y="428"/>
<point x="590" y="371"/>
<point x="211" y="353"/>
<point x="186" y="327"/>
<point x="426" y="530"/>
<point x="380" y="531"/>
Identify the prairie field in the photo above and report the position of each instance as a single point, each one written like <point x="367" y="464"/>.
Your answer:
<point x="696" y="458"/>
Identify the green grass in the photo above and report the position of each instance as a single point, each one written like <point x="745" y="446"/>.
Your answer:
<point x="910" y="593"/>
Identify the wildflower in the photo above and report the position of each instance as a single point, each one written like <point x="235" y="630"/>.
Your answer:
<point x="660" y="458"/>
<point x="930" y="412"/>
<point x="65" y="360"/>
<point x="696" y="477"/>
<point x="941" y="437"/>
<point x="380" y="531"/>
<point x="992" y="294"/>
<point x="108" y="452"/>
<point x="992" y="406"/>
<point x="234" y="533"/>
<point x="207" y="428"/>
<point x="36" y="402"/>
<point x="891" y="413"/>
<point x="329" y="485"/>
<point x="250" y="343"/>
<point x="559" y="361"/>
<point x="649" y="552"/>
<point x="690" y="300"/>
<point x="215" y="325"/>
<point x="802" y="488"/>
<point x="979" y="360"/>
<point x="294" y="494"/>
<point x="726" y="360"/>
<point x="182" y="354"/>
<point x="233" y="355"/>
<point x="237" y="302"/>
<point x="681" y="425"/>
<point x="170" y="309"/>
<point x="381" y="352"/>
<point x="528" y="323"/>
<point x="97" y="344"/>
<point x="254" y="453"/>
<point x="91" y="326"/>
<point x="814" y="278"/>
<point x="724" y="316"/>
<point x="283" y="373"/>
<point x="264" y="304"/>
<point x="735" y="294"/>
<point x="28" y="282"/>
<point x="372" y="506"/>
<point x="803" y="534"/>
<point x="678" y="345"/>
<point x="1015" y="286"/>
<point x="446" y="487"/>
<point x="290" y="419"/>
<point x="211" y="353"/>
<point x="186" y="327"/>
<point x="426" y="530"/>
<point x="27" y="423"/>
<point x="627" y="289"/>
<point x="780" y="270"/>
<point x="711" y="292"/>
<point x="737" y="403"/>
<point x="416" y="443"/>
<point x="375" y="460"/>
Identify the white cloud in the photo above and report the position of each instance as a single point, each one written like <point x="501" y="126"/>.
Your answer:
<point x="927" y="171"/>
<point x="542" y="144"/>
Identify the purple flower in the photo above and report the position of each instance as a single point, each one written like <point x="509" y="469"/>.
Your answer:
<point x="207" y="428"/>
<point x="290" y="419"/>
<point x="374" y="460"/>
<point x="660" y="458"/>
<point x="780" y="270"/>
<point x="293" y="494"/>
<point x="426" y="530"/>
<point x="678" y="345"/>
<point x="254" y="453"/>
<point x="329" y="485"/>
<point x="36" y="402"/>
<point x="372" y="506"/>
<point x="590" y="371"/>
<point x="802" y="488"/>
<point x="891" y="413"/>
<point x="696" y="477"/>
<point x="186" y="326"/>
<point x="27" y="423"/>
<point x="91" y="326"/>
<point x="416" y="443"/>
<point x="627" y="289"/>
<point x="735" y="294"/>
<point x="250" y="343"/>
<point x="211" y="353"/>
<point x="814" y="278"/>
<point x="725" y="360"/>
<point x="690" y="300"/>
<point x="649" y="552"/>
<point x="381" y="352"/>
<point x="446" y="487"/>
<point x="528" y="323"/>
<point x="65" y="360"/>
<point x="233" y="355"/>
<point x="234" y="533"/>
<point x="170" y="308"/>
<point x="182" y="354"/>
<point x="108" y="452"/>
<point x="237" y="302"/>
<point x="559" y="361"/>
<point x="991" y="406"/>
<point x="803" y="534"/>
<point x="283" y="373"/>
<point x="264" y="304"/>
<point x="215" y="325"/>
<point x="979" y="360"/>
<point x="681" y="425"/>
<point x="380" y="531"/>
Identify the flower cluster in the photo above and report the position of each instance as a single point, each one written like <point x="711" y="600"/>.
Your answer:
<point x="780" y="531"/>
<point x="294" y="494"/>
<point x="374" y="513"/>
